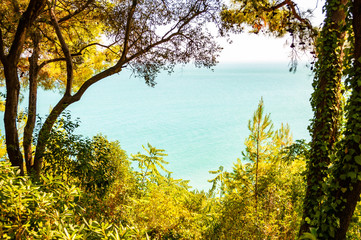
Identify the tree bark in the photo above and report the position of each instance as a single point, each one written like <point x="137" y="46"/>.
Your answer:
<point x="10" y="116"/>
<point x="353" y="130"/>
<point x="10" y="63"/>
<point x="33" y="91"/>
<point x="45" y="131"/>
<point x="327" y="107"/>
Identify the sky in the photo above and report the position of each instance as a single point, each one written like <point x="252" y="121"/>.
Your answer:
<point x="259" y="48"/>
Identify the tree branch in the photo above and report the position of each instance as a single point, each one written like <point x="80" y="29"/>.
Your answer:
<point x="123" y="60"/>
<point x="294" y="11"/>
<point x="127" y="30"/>
<point x="279" y="5"/>
<point x="292" y="5"/>
<point x="26" y="20"/>
<point x="184" y="20"/>
<point x="43" y="64"/>
<point x="79" y="10"/>
<point x="2" y="50"/>
<point x="106" y="73"/>
<point x="65" y="49"/>
<point x="163" y="40"/>
<point x="79" y="53"/>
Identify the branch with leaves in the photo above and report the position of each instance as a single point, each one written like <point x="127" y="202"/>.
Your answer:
<point x="149" y="163"/>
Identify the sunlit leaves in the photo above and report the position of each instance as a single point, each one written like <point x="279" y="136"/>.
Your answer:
<point x="93" y="163"/>
<point x="276" y="212"/>
<point x="51" y="209"/>
<point x="149" y="163"/>
<point x="218" y="179"/>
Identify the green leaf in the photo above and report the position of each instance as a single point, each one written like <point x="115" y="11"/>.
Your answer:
<point x="308" y="236"/>
<point x="352" y="175"/>
<point x="358" y="160"/>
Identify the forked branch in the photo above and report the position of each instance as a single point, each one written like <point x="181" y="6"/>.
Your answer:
<point x="293" y="6"/>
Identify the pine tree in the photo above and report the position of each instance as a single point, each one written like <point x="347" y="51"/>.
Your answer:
<point x="258" y="142"/>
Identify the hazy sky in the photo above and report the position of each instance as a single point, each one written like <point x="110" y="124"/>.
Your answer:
<point x="258" y="48"/>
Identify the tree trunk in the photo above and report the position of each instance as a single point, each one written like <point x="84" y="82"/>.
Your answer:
<point x="327" y="107"/>
<point x="352" y="183"/>
<point x="10" y="116"/>
<point x="44" y="132"/>
<point x="257" y="161"/>
<point x="33" y="91"/>
<point x="10" y="63"/>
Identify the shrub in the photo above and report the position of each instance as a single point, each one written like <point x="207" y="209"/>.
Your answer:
<point x="49" y="209"/>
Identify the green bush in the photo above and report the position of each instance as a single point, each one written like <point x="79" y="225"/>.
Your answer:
<point x="49" y="209"/>
<point x="92" y="163"/>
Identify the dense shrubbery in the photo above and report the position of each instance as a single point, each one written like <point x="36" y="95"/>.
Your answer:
<point x="89" y="190"/>
<point x="49" y="209"/>
<point x="261" y="197"/>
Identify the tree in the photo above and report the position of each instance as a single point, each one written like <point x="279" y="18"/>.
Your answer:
<point x="344" y="188"/>
<point x="327" y="106"/>
<point x="276" y="212"/>
<point x="59" y="44"/>
<point x="257" y="144"/>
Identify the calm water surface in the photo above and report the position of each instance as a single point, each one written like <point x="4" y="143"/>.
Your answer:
<point x="198" y="116"/>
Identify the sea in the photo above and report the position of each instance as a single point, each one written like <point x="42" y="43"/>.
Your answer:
<point x="198" y="116"/>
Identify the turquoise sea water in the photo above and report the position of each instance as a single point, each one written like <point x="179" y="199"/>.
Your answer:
<point x="198" y="116"/>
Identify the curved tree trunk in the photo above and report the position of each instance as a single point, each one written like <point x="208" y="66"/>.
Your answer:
<point x="45" y="131"/>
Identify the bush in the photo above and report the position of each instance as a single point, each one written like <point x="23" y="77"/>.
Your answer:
<point x="94" y="164"/>
<point x="49" y="209"/>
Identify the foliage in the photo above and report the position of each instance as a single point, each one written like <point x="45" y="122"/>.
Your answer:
<point x="333" y="165"/>
<point x="90" y="191"/>
<point x="158" y="205"/>
<point x="275" y="18"/>
<point x="167" y="211"/>
<point x="59" y="45"/>
<point x="327" y="105"/>
<point x="148" y="164"/>
<point x="276" y="212"/>
<point x="2" y="146"/>
<point x="93" y="163"/>
<point x="220" y="177"/>
<point x="48" y="210"/>
<point x="166" y="207"/>
<point x="258" y="144"/>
